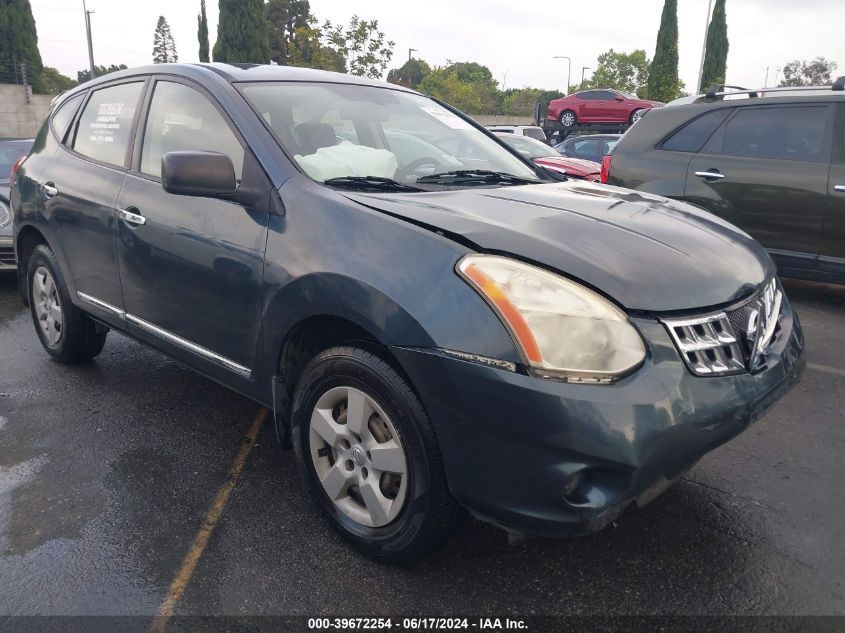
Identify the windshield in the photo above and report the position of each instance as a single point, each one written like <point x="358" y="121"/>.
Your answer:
<point x="529" y="146"/>
<point x="343" y="131"/>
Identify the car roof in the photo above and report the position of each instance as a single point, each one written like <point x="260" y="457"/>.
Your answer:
<point x="235" y="73"/>
<point x="735" y="96"/>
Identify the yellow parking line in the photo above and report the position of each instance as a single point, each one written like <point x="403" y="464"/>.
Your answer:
<point x="192" y="558"/>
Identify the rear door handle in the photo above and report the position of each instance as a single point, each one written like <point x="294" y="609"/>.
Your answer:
<point x="840" y="188"/>
<point x="715" y="175"/>
<point x="50" y="190"/>
<point x="132" y="218"/>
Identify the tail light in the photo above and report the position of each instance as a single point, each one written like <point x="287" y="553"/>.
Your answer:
<point x="15" y="167"/>
<point x="605" y="168"/>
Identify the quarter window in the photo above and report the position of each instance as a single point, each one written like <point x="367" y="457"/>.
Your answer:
<point x="64" y="115"/>
<point x="794" y="133"/>
<point x="182" y="119"/>
<point x="693" y="136"/>
<point x="105" y="125"/>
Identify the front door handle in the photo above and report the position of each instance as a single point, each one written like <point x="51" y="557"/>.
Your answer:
<point x="50" y="190"/>
<point x="715" y="175"/>
<point x="135" y="219"/>
<point x="840" y="188"/>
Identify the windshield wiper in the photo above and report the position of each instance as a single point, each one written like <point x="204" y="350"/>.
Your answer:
<point x="369" y="183"/>
<point x="475" y="177"/>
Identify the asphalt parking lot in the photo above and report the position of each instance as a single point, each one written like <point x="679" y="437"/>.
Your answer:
<point x="108" y="470"/>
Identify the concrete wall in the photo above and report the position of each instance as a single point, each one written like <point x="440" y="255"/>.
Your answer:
<point x="19" y="117"/>
<point x="502" y="119"/>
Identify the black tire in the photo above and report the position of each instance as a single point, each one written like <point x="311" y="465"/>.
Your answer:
<point x="636" y="115"/>
<point x="81" y="339"/>
<point x="429" y="511"/>
<point x="574" y="120"/>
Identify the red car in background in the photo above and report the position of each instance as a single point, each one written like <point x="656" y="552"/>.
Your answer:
<point x="551" y="159"/>
<point x="599" y="106"/>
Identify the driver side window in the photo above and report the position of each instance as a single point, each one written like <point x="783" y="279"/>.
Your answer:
<point x="180" y="119"/>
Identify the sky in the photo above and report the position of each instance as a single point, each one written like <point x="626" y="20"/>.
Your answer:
<point x="517" y="40"/>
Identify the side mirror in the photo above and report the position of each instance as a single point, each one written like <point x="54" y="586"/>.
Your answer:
<point x="201" y="174"/>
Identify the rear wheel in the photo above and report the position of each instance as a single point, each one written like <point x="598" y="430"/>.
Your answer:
<point x="568" y="118"/>
<point x="66" y="333"/>
<point x="367" y="452"/>
<point x="636" y="115"/>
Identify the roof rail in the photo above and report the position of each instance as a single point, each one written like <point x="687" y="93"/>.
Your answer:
<point x="839" y="85"/>
<point x="720" y="90"/>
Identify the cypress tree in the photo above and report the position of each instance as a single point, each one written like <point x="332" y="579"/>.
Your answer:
<point x="202" y="32"/>
<point x="19" y="43"/>
<point x="242" y="33"/>
<point x="663" y="81"/>
<point x="716" y="58"/>
<point x="164" y="48"/>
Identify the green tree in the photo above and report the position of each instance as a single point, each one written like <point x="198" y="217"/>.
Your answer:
<point x="19" y="43"/>
<point x="817" y="72"/>
<point x="716" y="58"/>
<point x="409" y="74"/>
<point x="202" y="32"/>
<point x="663" y="81"/>
<point x="284" y="18"/>
<point x="55" y="82"/>
<point x="84" y="75"/>
<point x="362" y="45"/>
<point x="164" y="48"/>
<point x="242" y="32"/>
<point x="626" y="72"/>
<point x="468" y="86"/>
<point x="308" y="48"/>
<point x="521" y="101"/>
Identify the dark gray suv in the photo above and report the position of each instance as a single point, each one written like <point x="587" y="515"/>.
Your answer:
<point x="772" y="163"/>
<point x="432" y="323"/>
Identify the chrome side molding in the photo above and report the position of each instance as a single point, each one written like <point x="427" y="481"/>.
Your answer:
<point x="167" y="336"/>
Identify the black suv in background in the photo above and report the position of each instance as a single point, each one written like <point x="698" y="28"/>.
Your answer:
<point x="771" y="162"/>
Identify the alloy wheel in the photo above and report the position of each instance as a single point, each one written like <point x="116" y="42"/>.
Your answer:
<point x="358" y="457"/>
<point x="48" y="306"/>
<point x="567" y="119"/>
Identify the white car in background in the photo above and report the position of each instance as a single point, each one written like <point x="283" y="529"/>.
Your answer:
<point x="531" y="131"/>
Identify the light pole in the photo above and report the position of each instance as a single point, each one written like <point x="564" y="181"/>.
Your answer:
<point x="411" y="50"/>
<point x="90" y="45"/>
<point x="583" y="70"/>
<point x="704" y="46"/>
<point x="568" y="72"/>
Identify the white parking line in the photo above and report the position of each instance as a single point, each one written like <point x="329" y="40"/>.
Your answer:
<point x="826" y="369"/>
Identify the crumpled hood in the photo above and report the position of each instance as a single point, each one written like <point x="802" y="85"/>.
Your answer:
<point x="647" y="252"/>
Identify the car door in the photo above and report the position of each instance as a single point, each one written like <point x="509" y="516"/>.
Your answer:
<point x="81" y="185"/>
<point x="588" y="106"/>
<point x="191" y="267"/>
<point x="832" y="258"/>
<point x="766" y="170"/>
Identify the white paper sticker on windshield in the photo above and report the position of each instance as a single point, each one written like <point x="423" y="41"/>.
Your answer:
<point x="444" y="116"/>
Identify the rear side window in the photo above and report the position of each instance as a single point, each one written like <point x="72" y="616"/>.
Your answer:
<point x="183" y="119"/>
<point x="537" y="133"/>
<point x="793" y="133"/>
<point x="839" y="135"/>
<point x="62" y="117"/>
<point x="105" y="125"/>
<point x="693" y="136"/>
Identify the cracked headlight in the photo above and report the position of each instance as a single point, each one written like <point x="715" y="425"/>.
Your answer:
<point x="561" y="328"/>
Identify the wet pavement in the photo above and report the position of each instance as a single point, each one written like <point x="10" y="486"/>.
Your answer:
<point x="107" y="471"/>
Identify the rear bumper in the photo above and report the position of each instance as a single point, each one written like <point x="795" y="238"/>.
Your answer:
<point x="511" y="442"/>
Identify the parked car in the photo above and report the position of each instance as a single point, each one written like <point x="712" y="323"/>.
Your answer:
<point x="599" y="106"/>
<point x="592" y="147"/>
<point x="11" y="150"/>
<point x="772" y="163"/>
<point x="551" y="159"/>
<point x="544" y="353"/>
<point x="531" y="131"/>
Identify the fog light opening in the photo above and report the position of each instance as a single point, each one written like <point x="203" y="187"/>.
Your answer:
<point x="570" y="487"/>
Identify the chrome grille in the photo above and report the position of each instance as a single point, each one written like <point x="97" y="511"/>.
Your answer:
<point x="708" y="344"/>
<point x="732" y="340"/>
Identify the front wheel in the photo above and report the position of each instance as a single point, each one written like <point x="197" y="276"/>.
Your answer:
<point x="568" y="119"/>
<point x="367" y="452"/>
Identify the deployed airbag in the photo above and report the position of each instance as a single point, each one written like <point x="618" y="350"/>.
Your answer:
<point x="348" y="159"/>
